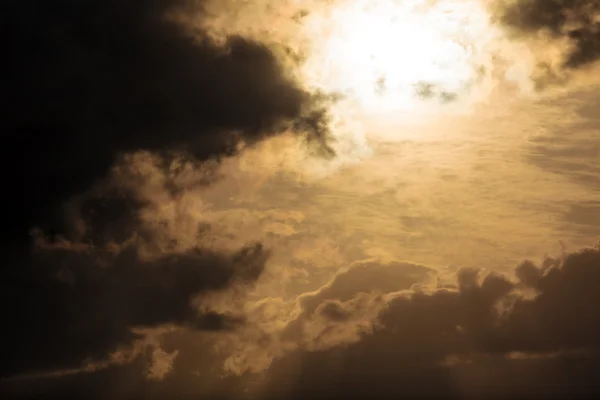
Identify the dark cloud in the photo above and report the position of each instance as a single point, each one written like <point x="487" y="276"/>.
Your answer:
<point x="573" y="20"/>
<point x="487" y="336"/>
<point x="71" y="304"/>
<point x="548" y="308"/>
<point x="84" y="81"/>
<point x="83" y="84"/>
<point x="428" y="91"/>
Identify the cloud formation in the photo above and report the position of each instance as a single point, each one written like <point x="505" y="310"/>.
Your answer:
<point x="463" y="340"/>
<point x="531" y="334"/>
<point x="128" y="264"/>
<point x="571" y="27"/>
<point x="139" y="285"/>
<point x="89" y="81"/>
<point x="576" y="20"/>
<point x="101" y="295"/>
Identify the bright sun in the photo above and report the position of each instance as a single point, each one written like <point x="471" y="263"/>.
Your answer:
<point x="394" y="55"/>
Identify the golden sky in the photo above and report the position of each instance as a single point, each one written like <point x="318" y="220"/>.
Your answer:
<point x="376" y="154"/>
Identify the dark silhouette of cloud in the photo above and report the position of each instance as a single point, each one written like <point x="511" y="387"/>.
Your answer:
<point x="71" y="304"/>
<point x="545" y="309"/>
<point x="85" y="81"/>
<point x="488" y="335"/>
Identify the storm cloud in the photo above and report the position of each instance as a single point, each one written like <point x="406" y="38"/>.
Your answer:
<point x="528" y="334"/>
<point x="101" y="295"/>
<point x="139" y="261"/>
<point x="86" y="81"/>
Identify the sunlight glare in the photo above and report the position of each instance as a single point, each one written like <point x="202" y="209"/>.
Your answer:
<point x="392" y="55"/>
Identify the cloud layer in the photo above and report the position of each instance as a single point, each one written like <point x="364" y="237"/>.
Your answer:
<point x="160" y="266"/>
<point x="478" y="334"/>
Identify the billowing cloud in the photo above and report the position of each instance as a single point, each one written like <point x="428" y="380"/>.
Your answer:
<point x="473" y="338"/>
<point x="486" y="334"/>
<point x="101" y="295"/>
<point x="545" y="309"/>
<point x="179" y="252"/>
<point x="92" y="80"/>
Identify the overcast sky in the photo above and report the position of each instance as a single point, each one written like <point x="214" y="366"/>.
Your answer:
<point x="277" y="199"/>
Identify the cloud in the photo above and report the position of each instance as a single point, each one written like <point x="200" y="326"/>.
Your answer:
<point x="366" y="278"/>
<point x="92" y="80"/>
<point x="341" y="312"/>
<point x="487" y="335"/>
<point x="545" y="309"/>
<point x="162" y="364"/>
<point x="69" y="305"/>
<point x="483" y="313"/>
<point x="570" y="29"/>
<point x="145" y="271"/>
<point x="143" y="116"/>
<point x="576" y="20"/>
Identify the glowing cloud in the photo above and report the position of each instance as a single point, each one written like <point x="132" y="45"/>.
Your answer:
<point x="390" y="56"/>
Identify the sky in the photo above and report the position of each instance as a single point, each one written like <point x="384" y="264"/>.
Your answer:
<point x="267" y="199"/>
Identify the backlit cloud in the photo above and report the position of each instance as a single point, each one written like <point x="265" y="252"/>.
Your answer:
<point x="296" y="199"/>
